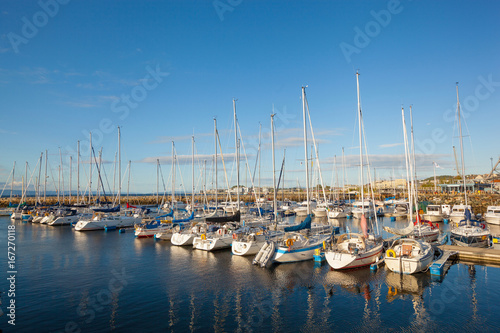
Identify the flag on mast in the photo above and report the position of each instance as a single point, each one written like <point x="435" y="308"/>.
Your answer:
<point x="437" y="165"/>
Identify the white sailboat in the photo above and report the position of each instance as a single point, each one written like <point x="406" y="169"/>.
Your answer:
<point x="409" y="255"/>
<point x="9" y="210"/>
<point x="105" y="218"/>
<point x="467" y="232"/>
<point x="67" y="217"/>
<point x="217" y="240"/>
<point x="186" y="236"/>
<point x="249" y="242"/>
<point x="251" y="239"/>
<point x="101" y="221"/>
<point x="298" y="243"/>
<point x="354" y="250"/>
<point x="340" y="209"/>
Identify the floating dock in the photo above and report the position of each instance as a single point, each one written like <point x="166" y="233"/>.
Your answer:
<point x="440" y="266"/>
<point x="474" y="254"/>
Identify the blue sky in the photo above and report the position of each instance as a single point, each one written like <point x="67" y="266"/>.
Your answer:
<point x="162" y="70"/>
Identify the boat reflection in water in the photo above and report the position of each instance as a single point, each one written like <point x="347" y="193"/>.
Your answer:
<point x="411" y="287"/>
<point x="359" y="283"/>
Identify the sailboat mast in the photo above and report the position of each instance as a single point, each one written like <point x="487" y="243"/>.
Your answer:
<point x="274" y="170"/>
<point x="128" y="183"/>
<point x="343" y="175"/>
<point x="22" y="186"/>
<point x="192" y="175"/>
<point x="260" y="152"/>
<point x="205" y="180"/>
<point x="120" y="168"/>
<point x="59" y="184"/>
<point x="461" y="146"/>
<point x="61" y="173"/>
<point x="283" y="187"/>
<point x="173" y="176"/>
<point x="408" y="165"/>
<point x="157" y="181"/>
<point x="100" y="184"/>
<point x="215" y="162"/>
<point x="305" y="146"/>
<point x="337" y="196"/>
<point x="70" y="175"/>
<point x="90" y="167"/>
<point x="78" y="173"/>
<point x="236" y="143"/>
<point x="414" y="165"/>
<point x="360" y="147"/>
<point x="39" y="178"/>
<point x="12" y="182"/>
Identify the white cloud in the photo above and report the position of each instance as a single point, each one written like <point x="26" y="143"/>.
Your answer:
<point x="390" y="145"/>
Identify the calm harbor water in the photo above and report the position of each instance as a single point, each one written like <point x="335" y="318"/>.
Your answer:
<point x="100" y="281"/>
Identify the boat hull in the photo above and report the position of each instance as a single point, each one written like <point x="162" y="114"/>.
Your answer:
<point x="15" y="216"/>
<point x="213" y="243"/>
<point x="240" y="248"/>
<point x="433" y="217"/>
<point x="180" y="239"/>
<point x="320" y="212"/>
<point x="409" y="265"/>
<point x="492" y="219"/>
<point x="469" y="241"/>
<point x="123" y="222"/>
<point x="147" y="233"/>
<point x="339" y="260"/>
<point x="337" y="215"/>
<point x="283" y="255"/>
<point x="167" y="236"/>
<point x="66" y="220"/>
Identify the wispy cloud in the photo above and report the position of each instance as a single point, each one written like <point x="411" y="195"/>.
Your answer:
<point x="167" y="139"/>
<point x="187" y="159"/>
<point x="390" y="145"/>
<point x="80" y="104"/>
<point x="385" y="161"/>
<point x="2" y="131"/>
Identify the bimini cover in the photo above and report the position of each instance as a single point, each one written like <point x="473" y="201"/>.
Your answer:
<point x="304" y="225"/>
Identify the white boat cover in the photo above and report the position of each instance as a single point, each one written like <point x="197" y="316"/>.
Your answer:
<point x="401" y="232"/>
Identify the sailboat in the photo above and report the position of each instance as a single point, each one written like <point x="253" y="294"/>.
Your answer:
<point x="409" y="255"/>
<point x="468" y="232"/>
<point x="186" y="236"/>
<point x="222" y="238"/>
<point x="298" y="242"/>
<point x="105" y="218"/>
<point x="251" y="239"/>
<point x="10" y="210"/>
<point x="340" y="209"/>
<point x="354" y="250"/>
